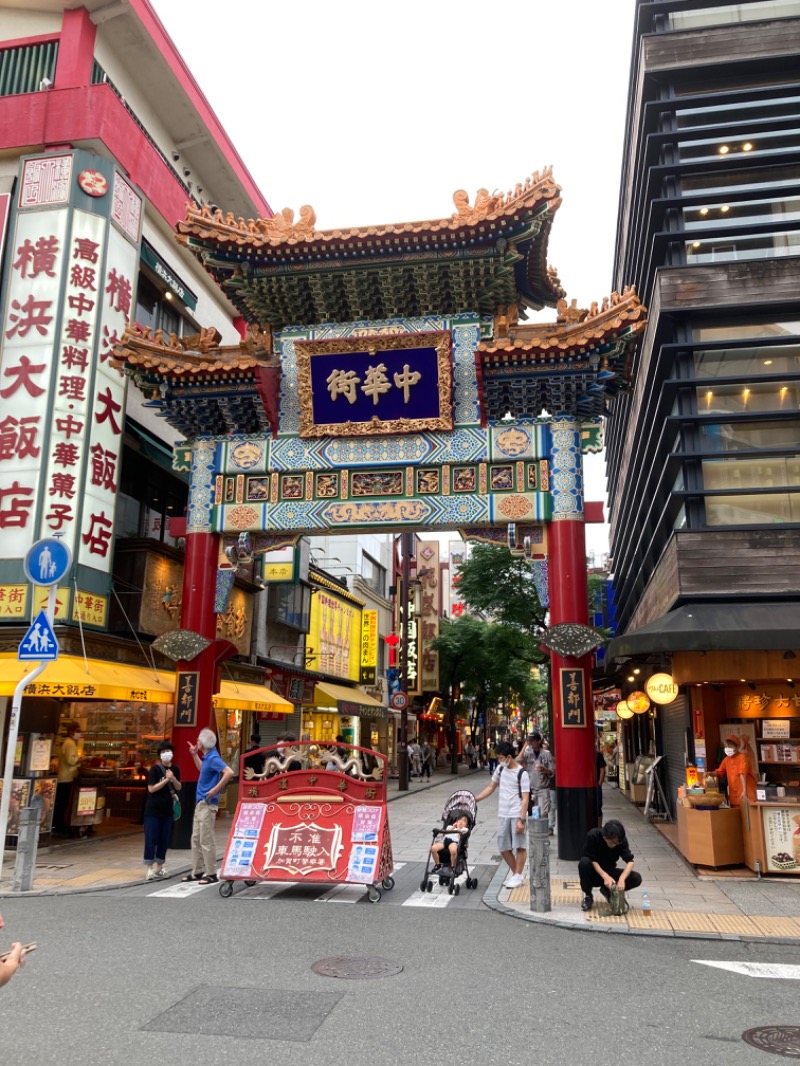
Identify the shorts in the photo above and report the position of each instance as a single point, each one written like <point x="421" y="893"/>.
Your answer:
<point x="508" y="839"/>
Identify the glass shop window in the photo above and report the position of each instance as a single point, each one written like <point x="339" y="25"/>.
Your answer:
<point x="749" y="436"/>
<point x="764" y="509"/>
<point x="747" y="362"/>
<point x="755" y="398"/>
<point x="765" y="246"/>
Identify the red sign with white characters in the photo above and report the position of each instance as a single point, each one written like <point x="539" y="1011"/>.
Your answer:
<point x="314" y="824"/>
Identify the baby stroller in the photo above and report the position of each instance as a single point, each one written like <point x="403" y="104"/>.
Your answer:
<point x="460" y="804"/>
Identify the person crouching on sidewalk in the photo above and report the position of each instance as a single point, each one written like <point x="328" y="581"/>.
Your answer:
<point x="512" y="811"/>
<point x="597" y="867"/>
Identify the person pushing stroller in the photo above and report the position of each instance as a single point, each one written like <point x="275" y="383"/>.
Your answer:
<point x="450" y="839"/>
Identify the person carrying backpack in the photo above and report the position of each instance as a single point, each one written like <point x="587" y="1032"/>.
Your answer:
<point x="512" y="810"/>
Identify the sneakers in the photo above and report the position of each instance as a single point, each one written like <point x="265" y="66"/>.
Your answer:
<point x="514" y="881"/>
<point x="155" y="875"/>
<point x="586" y="902"/>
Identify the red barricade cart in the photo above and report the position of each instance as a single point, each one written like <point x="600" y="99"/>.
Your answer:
<point x="308" y="813"/>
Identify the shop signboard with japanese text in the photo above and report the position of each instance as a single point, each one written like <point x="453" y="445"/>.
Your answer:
<point x="335" y="635"/>
<point x="70" y="283"/>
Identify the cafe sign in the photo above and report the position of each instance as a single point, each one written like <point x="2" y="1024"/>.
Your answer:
<point x="661" y="688"/>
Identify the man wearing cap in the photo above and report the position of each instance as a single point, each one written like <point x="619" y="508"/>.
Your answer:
<point x="538" y="761"/>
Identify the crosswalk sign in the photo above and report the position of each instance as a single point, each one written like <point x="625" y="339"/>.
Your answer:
<point x="39" y="643"/>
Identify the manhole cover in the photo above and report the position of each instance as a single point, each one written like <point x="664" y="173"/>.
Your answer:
<point x="360" y="968"/>
<point x="776" y="1039"/>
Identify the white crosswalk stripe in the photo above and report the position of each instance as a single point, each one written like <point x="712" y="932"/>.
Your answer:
<point x="756" y="969"/>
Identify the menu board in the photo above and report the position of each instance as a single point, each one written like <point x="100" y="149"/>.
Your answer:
<point x="782" y="838"/>
<point x="775" y="729"/>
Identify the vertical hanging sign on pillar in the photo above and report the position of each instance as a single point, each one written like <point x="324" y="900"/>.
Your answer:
<point x="369" y="647"/>
<point x="573" y="702"/>
<point x="187" y="692"/>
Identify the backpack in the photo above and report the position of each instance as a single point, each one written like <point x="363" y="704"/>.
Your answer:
<point x="520" y="772"/>
<point x="617" y="903"/>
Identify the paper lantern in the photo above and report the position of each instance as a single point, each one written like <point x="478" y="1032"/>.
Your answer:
<point x="638" y="702"/>
<point x="623" y="710"/>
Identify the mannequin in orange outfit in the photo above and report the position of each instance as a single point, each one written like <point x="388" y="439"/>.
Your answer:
<point x="736" y="766"/>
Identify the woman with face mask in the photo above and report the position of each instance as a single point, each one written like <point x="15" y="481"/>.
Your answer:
<point x="736" y="767"/>
<point x="163" y="779"/>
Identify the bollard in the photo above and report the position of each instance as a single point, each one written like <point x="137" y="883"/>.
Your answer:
<point x="539" y="863"/>
<point x="27" y="846"/>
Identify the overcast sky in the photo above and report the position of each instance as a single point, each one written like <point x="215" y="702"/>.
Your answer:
<point x="376" y="112"/>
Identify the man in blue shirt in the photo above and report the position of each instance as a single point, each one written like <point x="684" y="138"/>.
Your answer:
<point x="214" y="776"/>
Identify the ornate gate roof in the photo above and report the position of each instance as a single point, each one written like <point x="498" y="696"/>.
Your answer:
<point x="284" y="272"/>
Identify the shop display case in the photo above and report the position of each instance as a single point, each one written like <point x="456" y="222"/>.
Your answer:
<point x="710" y="837"/>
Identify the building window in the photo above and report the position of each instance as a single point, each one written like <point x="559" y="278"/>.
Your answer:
<point x="755" y="398"/>
<point x="726" y="14"/>
<point x="765" y="473"/>
<point x="746" y="362"/>
<point x="731" y="181"/>
<point x="737" y="246"/>
<point x="157" y="310"/>
<point x="755" y="144"/>
<point x="373" y="574"/>
<point x="715" y="215"/>
<point x="763" y="509"/>
<point x="745" y="111"/>
<point x="749" y="436"/>
<point x="743" y="330"/>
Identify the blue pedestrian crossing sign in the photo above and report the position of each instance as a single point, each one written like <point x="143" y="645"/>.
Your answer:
<point x="39" y="643"/>
<point x="47" y="561"/>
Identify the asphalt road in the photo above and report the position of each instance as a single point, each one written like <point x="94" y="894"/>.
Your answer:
<point x="131" y="977"/>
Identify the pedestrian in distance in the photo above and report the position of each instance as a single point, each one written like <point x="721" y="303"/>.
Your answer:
<point x="68" y="768"/>
<point x="538" y="761"/>
<point x="512" y="811"/>
<point x="597" y="867"/>
<point x="214" y="776"/>
<point x="492" y="757"/>
<point x="427" y="756"/>
<point x="163" y="784"/>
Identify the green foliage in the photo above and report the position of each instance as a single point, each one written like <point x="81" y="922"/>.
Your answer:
<point x="495" y="583"/>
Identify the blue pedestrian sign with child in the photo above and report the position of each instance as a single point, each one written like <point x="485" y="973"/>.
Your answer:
<point x="39" y="643"/>
<point x="47" y="561"/>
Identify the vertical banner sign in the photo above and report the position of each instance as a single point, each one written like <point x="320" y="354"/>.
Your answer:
<point x="573" y="701"/>
<point x="369" y="647"/>
<point x="70" y="285"/>
<point x="428" y="621"/>
<point x="187" y="692"/>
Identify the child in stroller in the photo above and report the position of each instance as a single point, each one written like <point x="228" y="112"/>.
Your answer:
<point x="449" y="851"/>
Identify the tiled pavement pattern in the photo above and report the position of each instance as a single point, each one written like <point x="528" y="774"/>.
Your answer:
<point x="683" y="903"/>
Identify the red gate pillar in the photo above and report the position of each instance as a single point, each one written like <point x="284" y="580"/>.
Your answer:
<point x="198" y="679"/>
<point x="572" y="711"/>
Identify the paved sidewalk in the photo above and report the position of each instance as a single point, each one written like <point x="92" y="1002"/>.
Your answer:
<point x="684" y="903"/>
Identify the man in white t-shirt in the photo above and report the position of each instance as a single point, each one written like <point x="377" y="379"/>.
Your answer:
<point x="512" y="811"/>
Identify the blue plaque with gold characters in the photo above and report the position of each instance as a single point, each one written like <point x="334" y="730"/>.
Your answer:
<point x="375" y="385"/>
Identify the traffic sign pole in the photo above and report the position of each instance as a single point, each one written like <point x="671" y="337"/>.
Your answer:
<point x="13" y="731"/>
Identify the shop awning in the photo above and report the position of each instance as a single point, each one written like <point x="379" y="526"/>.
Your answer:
<point x="714" y="627"/>
<point x="238" y="696"/>
<point x="72" y="678"/>
<point x="347" y="700"/>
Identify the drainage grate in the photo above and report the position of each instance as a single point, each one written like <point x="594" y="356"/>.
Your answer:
<point x="366" y="968"/>
<point x="776" y="1039"/>
<point x="248" y="1013"/>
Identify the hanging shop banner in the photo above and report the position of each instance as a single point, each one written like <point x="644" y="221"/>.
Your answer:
<point x="573" y="698"/>
<point x="428" y="575"/>
<point x="369" y="647"/>
<point x="375" y="385"/>
<point x="70" y="285"/>
<point x="334" y="635"/>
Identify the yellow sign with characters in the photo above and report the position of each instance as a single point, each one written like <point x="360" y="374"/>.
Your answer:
<point x="89" y="609"/>
<point x="369" y="647"/>
<point x="14" y="601"/>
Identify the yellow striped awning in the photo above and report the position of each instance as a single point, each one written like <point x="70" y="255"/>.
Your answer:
<point x="71" y="678"/>
<point x="238" y="696"/>
<point x="346" y="699"/>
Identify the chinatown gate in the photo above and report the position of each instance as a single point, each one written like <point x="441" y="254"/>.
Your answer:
<point x="387" y="383"/>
